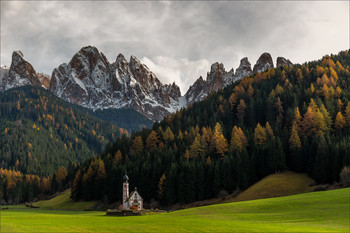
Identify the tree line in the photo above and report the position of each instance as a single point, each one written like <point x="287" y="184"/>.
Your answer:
<point x="295" y="118"/>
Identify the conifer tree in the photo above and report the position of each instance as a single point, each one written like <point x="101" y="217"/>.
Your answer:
<point x="347" y="114"/>
<point x="294" y="140"/>
<point x="339" y="122"/>
<point x="236" y="143"/>
<point x="196" y="147"/>
<point x="152" y="140"/>
<point x="117" y="157"/>
<point x="241" y="110"/>
<point x="319" y="124"/>
<point x="137" y="145"/>
<point x="259" y="135"/>
<point x="308" y="122"/>
<point x="279" y="109"/>
<point x="327" y="117"/>
<point x="297" y="120"/>
<point x="269" y="130"/>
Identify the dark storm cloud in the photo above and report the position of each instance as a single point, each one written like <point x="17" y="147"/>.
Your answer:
<point x="177" y="40"/>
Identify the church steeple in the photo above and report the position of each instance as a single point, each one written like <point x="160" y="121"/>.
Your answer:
<point x="126" y="191"/>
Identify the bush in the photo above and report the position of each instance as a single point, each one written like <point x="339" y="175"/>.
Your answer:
<point x="345" y="176"/>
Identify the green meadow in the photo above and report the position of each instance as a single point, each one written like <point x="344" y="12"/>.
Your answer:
<point x="326" y="211"/>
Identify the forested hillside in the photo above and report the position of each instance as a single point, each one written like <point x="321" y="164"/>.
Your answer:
<point x="40" y="132"/>
<point x="295" y="118"/>
<point x="127" y="118"/>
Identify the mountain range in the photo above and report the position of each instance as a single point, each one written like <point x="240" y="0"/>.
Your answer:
<point x="91" y="81"/>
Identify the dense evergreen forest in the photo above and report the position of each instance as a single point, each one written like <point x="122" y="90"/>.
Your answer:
<point x="295" y="118"/>
<point x="127" y="118"/>
<point x="40" y="132"/>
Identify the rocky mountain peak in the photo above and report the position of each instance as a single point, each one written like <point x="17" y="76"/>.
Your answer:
<point x="217" y="70"/>
<point x="263" y="63"/>
<point x="281" y="61"/>
<point x="244" y="69"/>
<point x="91" y="81"/>
<point x="21" y="72"/>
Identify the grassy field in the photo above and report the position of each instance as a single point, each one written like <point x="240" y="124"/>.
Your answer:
<point x="326" y="211"/>
<point x="277" y="185"/>
<point x="63" y="202"/>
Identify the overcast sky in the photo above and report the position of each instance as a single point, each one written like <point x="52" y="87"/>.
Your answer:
<point x="178" y="41"/>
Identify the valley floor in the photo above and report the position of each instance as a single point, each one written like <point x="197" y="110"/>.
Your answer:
<point x="326" y="211"/>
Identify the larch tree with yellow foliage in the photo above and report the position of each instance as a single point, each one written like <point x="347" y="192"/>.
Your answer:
<point x="294" y="140"/>
<point x="259" y="135"/>
<point x="339" y="122"/>
<point x="220" y="141"/>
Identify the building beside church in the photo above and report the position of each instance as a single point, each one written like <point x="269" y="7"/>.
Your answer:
<point x="134" y="200"/>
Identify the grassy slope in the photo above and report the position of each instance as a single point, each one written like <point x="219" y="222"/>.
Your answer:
<point x="310" y="212"/>
<point x="63" y="202"/>
<point x="277" y="185"/>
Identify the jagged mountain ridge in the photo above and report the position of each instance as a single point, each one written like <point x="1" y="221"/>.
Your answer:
<point x="91" y="81"/>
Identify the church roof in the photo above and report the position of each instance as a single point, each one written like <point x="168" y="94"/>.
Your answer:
<point x="125" y="178"/>
<point x="135" y="191"/>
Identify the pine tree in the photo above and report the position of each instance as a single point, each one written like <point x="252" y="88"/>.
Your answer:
<point x="347" y="114"/>
<point x="76" y="188"/>
<point x="241" y="110"/>
<point x="161" y="187"/>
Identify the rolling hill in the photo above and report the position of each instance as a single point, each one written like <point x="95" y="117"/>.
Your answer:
<point x="311" y="212"/>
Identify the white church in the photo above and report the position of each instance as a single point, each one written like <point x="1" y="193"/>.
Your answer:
<point x="134" y="199"/>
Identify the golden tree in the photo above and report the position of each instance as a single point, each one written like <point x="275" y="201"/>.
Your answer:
<point x="117" y="157"/>
<point x="168" y="135"/>
<point x="232" y="100"/>
<point x="294" y="140"/>
<point x="339" y="121"/>
<point x="269" y="130"/>
<point x="220" y="141"/>
<point x="327" y="117"/>
<point x="297" y="120"/>
<point x="152" y="140"/>
<point x="137" y="144"/>
<point x="308" y="122"/>
<point x="196" y="147"/>
<point x="279" y="108"/>
<point x="319" y="124"/>
<point x="236" y="143"/>
<point x="161" y="186"/>
<point x="340" y="105"/>
<point x="259" y="135"/>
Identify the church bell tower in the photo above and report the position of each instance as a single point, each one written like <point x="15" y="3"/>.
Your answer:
<point x="126" y="191"/>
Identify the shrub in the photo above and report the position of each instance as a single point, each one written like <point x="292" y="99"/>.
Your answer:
<point x="345" y="176"/>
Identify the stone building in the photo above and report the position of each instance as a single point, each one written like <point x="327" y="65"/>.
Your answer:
<point x="134" y="199"/>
